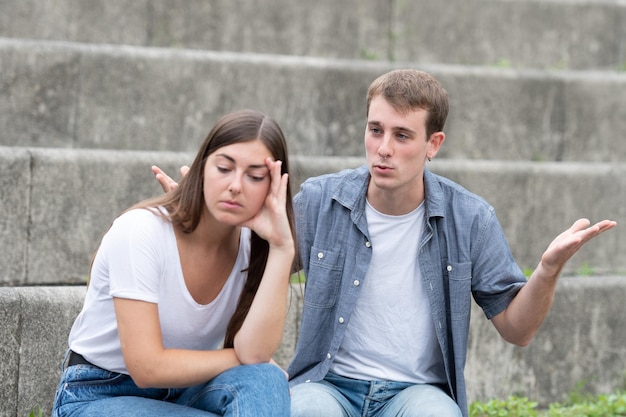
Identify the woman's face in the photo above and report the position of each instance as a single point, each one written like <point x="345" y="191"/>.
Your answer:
<point x="236" y="181"/>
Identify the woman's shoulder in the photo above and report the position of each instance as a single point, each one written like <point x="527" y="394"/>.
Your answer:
<point x="141" y="221"/>
<point x="143" y="215"/>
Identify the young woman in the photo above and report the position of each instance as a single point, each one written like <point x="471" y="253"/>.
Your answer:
<point x="188" y="291"/>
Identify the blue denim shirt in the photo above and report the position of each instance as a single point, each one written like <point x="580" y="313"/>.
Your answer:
<point x="462" y="253"/>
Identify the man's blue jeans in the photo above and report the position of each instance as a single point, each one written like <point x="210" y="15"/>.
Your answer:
<point x="244" y="391"/>
<point x="337" y="396"/>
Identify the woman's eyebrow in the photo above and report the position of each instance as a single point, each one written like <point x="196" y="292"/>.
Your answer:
<point x="231" y="159"/>
<point x="223" y="155"/>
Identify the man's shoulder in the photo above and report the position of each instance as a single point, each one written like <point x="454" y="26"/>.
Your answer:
<point x="330" y="180"/>
<point x="450" y="191"/>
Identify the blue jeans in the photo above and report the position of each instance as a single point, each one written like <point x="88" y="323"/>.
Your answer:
<point x="337" y="396"/>
<point x="244" y="391"/>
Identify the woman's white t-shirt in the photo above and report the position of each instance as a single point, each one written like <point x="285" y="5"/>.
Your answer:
<point x="138" y="259"/>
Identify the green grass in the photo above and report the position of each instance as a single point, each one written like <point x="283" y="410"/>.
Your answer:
<point x="297" y="278"/>
<point x="36" y="412"/>
<point x="613" y="405"/>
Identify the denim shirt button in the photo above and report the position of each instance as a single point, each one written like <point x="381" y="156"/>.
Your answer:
<point x="328" y="355"/>
<point x="341" y="320"/>
<point x="320" y="255"/>
<point x="449" y="268"/>
<point x="368" y="244"/>
<point x="356" y="282"/>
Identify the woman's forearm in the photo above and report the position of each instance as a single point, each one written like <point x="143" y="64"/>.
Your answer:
<point x="262" y="330"/>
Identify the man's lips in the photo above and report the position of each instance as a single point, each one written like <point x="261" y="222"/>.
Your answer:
<point x="382" y="167"/>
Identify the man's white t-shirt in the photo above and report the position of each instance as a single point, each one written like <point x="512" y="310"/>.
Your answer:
<point x="138" y="259"/>
<point x="390" y="334"/>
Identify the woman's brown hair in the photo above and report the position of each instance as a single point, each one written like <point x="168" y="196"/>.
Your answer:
<point x="185" y="203"/>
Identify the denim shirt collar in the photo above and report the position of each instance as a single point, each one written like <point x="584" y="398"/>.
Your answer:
<point x="352" y="191"/>
<point x="433" y="195"/>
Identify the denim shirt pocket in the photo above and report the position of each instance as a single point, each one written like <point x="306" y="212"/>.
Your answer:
<point x="323" y="278"/>
<point x="459" y="277"/>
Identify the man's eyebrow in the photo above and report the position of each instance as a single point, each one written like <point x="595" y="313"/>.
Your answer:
<point x="394" y="128"/>
<point x="403" y="129"/>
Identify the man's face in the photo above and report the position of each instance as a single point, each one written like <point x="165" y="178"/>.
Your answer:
<point x="396" y="150"/>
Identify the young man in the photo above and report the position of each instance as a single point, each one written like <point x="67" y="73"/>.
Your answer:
<point x="393" y="255"/>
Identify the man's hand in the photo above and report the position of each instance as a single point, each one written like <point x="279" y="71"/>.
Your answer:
<point x="520" y="321"/>
<point x="565" y="245"/>
<point x="167" y="183"/>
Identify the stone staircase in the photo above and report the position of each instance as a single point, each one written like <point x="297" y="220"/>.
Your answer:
<point x="94" y="93"/>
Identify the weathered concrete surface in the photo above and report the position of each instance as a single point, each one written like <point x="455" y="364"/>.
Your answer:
<point x="15" y="187"/>
<point x="537" y="201"/>
<point x="74" y="195"/>
<point x="121" y="97"/>
<point x="580" y="342"/>
<point x="10" y="307"/>
<point x="541" y="34"/>
<point x="34" y="326"/>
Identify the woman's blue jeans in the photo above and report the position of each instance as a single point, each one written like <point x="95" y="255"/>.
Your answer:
<point x="337" y="396"/>
<point x="244" y="391"/>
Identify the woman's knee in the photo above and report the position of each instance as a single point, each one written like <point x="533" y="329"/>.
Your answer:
<point x="264" y="375"/>
<point x="253" y="390"/>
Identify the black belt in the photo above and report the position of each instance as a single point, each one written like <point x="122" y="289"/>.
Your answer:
<point x="76" y="359"/>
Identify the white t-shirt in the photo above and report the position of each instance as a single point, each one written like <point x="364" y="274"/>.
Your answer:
<point x="138" y="259"/>
<point x="391" y="335"/>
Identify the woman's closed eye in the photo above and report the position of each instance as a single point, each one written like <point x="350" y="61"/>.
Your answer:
<point x="257" y="178"/>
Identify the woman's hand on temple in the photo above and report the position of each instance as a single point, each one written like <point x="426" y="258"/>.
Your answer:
<point x="271" y="222"/>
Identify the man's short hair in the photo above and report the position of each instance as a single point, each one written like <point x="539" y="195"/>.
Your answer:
<point x="408" y="90"/>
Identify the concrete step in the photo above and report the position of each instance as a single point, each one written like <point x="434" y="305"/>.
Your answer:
<point x="57" y="203"/>
<point x="581" y="341"/>
<point x="581" y="34"/>
<point x="120" y="97"/>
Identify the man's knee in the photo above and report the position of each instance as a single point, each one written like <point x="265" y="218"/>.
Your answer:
<point x="315" y="400"/>
<point x="424" y="401"/>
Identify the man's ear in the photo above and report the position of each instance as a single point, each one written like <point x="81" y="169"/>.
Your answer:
<point x="434" y="143"/>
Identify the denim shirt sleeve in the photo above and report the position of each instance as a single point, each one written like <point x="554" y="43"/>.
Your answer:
<point x="496" y="276"/>
<point x="474" y="249"/>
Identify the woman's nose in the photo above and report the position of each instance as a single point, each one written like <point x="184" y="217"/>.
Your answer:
<point x="235" y="185"/>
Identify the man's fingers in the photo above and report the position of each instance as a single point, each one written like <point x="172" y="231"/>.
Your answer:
<point x="164" y="180"/>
